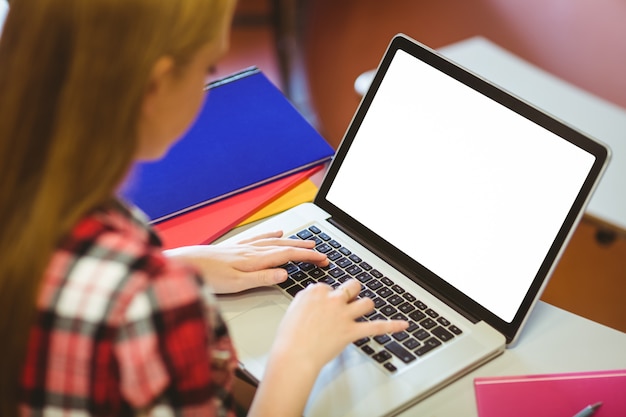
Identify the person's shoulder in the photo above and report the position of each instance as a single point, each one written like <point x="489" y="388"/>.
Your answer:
<point x="120" y="226"/>
<point x="111" y="258"/>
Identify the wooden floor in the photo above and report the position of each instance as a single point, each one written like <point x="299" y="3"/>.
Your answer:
<point x="581" y="41"/>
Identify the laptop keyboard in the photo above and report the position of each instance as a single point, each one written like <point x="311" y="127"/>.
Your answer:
<point x="427" y="330"/>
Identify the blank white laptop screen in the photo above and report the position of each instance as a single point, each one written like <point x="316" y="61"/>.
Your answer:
<point x="477" y="190"/>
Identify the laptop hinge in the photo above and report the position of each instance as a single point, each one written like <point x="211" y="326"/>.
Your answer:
<point x="405" y="271"/>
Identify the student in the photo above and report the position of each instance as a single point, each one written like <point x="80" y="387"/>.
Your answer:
<point x="95" y="318"/>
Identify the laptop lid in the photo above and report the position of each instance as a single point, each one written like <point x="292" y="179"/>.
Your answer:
<point x="467" y="189"/>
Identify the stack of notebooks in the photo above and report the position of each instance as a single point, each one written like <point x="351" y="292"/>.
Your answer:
<point x="249" y="154"/>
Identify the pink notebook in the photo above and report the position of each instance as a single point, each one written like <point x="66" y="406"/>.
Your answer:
<point x="552" y="395"/>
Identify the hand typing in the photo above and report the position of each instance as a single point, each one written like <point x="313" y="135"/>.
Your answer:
<point x="250" y="263"/>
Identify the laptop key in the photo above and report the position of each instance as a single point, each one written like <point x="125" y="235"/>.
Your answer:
<point x="315" y="229"/>
<point x="343" y="262"/>
<point x="398" y="289"/>
<point x="307" y="282"/>
<point x="286" y="283"/>
<point x="376" y="273"/>
<point x="355" y="258"/>
<point x="428" y="323"/>
<point x="374" y="284"/>
<point x="428" y="345"/>
<point x="304" y="234"/>
<point x="336" y="272"/>
<point x="398" y="316"/>
<point x="412" y="327"/>
<point x="443" y="321"/>
<point x="354" y="270"/>
<point x="364" y="277"/>
<point x="382" y="339"/>
<point x="390" y="367"/>
<point x="387" y="310"/>
<point x="367" y="293"/>
<point x="406" y="307"/>
<point x="317" y="273"/>
<point x="384" y="292"/>
<point x="421" y="334"/>
<point x="382" y="356"/>
<point x="324" y="237"/>
<point x="367" y="349"/>
<point x="327" y="280"/>
<point x="386" y="281"/>
<point x="366" y="266"/>
<point x="323" y="248"/>
<point x="417" y="315"/>
<point x="306" y="266"/>
<point x="443" y="334"/>
<point x="395" y="299"/>
<point x="399" y="351"/>
<point x="378" y="316"/>
<point x="345" y="251"/>
<point x="334" y="244"/>
<point x="400" y="336"/>
<point x="409" y="297"/>
<point x="411" y="343"/>
<point x="294" y="289"/>
<point x="289" y="267"/>
<point x="455" y="330"/>
<point x="333" y="255"/>
<point x="299" y="275"/>
<point x="378" y="302"/>
<point x="327" y="267"/>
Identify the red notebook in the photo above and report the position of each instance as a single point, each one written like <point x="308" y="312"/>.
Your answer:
<point x="207" y="223"/>
<point x="552" y="395"/>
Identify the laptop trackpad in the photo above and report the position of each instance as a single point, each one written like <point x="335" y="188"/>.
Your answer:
<point x="253" y="333"/>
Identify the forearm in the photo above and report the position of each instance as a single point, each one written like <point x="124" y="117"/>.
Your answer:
<point x="285" y="388"/>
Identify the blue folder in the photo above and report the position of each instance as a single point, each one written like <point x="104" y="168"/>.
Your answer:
<point x="247" y="134"/>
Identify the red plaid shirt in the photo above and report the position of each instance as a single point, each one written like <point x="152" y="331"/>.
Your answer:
<point x="121" y="328"/>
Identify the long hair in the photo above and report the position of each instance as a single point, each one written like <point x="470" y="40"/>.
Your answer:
<point x="73" y="74"/>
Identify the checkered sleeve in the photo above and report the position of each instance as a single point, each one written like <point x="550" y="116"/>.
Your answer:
<point x="175" y="356"/>
<point x="120" y="328"/>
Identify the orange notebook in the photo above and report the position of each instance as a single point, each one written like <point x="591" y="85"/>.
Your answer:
<point x="205" y="224"/>
<point x="552" y="395"/>
<point x="301" y="193"/>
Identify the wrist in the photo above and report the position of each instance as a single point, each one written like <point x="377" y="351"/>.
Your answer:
<point x="285" y="372"/>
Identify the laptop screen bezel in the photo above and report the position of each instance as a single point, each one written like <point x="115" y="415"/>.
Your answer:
<point x="414" y="270"/>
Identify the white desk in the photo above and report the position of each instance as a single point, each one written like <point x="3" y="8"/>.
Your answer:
<point x="599" y="118"/>
<point x="552" y="341"/>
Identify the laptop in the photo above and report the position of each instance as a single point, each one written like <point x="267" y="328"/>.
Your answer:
<point x="451" y="200"/>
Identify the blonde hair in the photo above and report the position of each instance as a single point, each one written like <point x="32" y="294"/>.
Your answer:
<point x="73" y="74"/>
